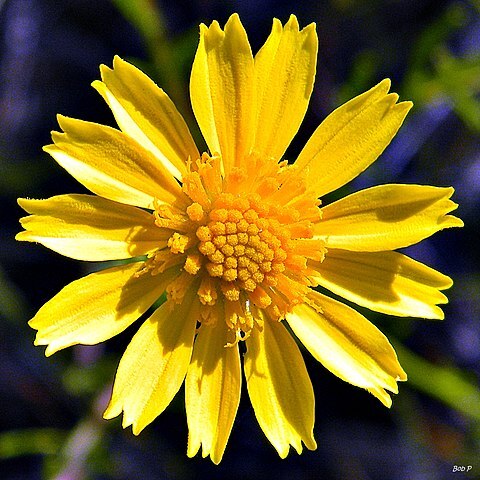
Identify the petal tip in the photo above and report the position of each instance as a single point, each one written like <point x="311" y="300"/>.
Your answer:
<point x="51" y="348"/>
<point x="22" y="236"/>
<point x="233" y="19"/>
<point x="292" y="23"/>
<point x="216" y="459"/>
<point x="277" y="25"/>
<point x="48" y="148"/>
<point x="117" y="61"/>
<point x="61" y="118"/>
<point x="136" y="428"/>
<point x="24" y="202"/>
<point x="282" y="450"/>
<point x="404" y="107"/>
<point x="105" y="70"/>
<point x="311" y="28"/>
<point x="98" y="85"/>
<point x="384" y="85"/>
<point x="111" y="411"/>
<point x="235" y="30"/>
<point x="455" y="221"/>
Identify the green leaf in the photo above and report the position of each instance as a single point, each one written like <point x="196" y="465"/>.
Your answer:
<point x="145" y="16"/>
<point x="445" y="383"/>
<point x="43" y="441"/>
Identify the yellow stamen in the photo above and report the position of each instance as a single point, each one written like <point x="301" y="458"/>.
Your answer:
<point x="193" y="264"/>
<point x="193" y="187"/>
<point x="176" y="290"/>
<point x="178" y="243"/>
<point x="250" y="243"/>
<point x="207" y="291"/>
<point x="195" y="212"/>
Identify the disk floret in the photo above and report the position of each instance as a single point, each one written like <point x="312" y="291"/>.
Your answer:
<point x="242" y="248"/>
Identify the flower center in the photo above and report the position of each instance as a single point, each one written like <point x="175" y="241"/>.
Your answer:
<point x="244" y="247"/>
<point x="241" y="241"/>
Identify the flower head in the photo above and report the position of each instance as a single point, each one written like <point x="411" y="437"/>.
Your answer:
<point x="237" y="238"/>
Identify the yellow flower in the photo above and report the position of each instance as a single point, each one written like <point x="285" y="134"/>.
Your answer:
<point x="237" y="239"/>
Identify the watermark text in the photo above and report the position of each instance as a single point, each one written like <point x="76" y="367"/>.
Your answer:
<point x="461" y="468"/>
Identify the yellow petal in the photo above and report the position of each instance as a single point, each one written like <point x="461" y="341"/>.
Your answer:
<point x="351" y="138"/>
<point x="91" y="228"/>
<point x="153" y="367"/>
<point x="111" y="164"/>
<point x="279" y="388"/>
<point x="97" y="307"/>
<point x="285" y="72"/>
<point x="386" y="217"/>
<point x="348" y="345"/>
<point x="222" y="90"/>
<point x="146" y="114"/>
<point x="387" y="282"/>
<point x="212" y="392"/>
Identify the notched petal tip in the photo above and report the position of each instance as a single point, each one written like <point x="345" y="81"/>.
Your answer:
<point x="370" y="97"/>
<point x="68" y="125"/>
<point x="105" y="69"/>
<point x="211" y="35"/>
<point x="310" y="40"/>
<point x="127" y="420"/>
<point x="448" y="221"/>
<point x="74" y="126"/>
<point x="25" y="235"/>
<point x="401" y="108"/>
<point x="351" y="347"/>
<point x="274" y="392"/>
<point x="352" y="137"/>
<point x="52" y="346"/>
<point x="387" y="217"/>
<point x="118" y="64"/>
<point x="381" y="395"/>
<point x="113" y="410"/>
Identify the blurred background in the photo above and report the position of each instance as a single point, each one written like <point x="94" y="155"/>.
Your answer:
<point x="50" y="409"/>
